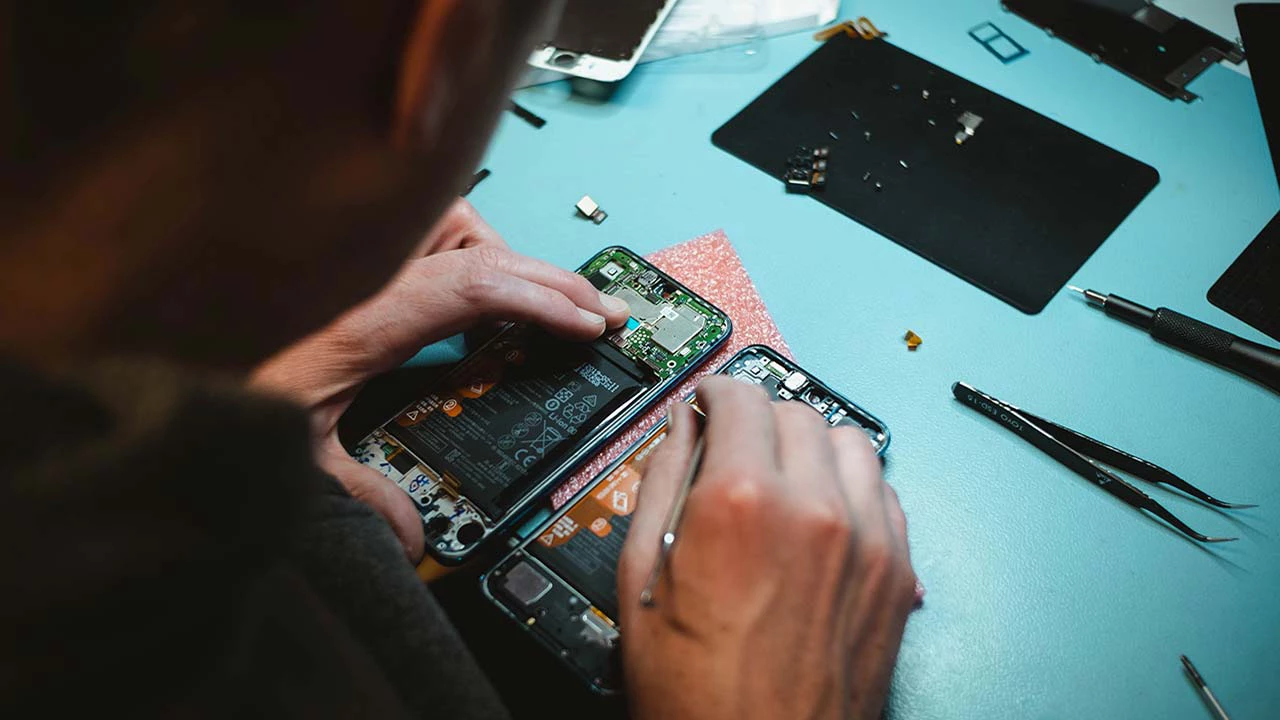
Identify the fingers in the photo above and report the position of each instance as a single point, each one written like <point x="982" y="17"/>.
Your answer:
<point x="859" y="474"/>
<point x="482" y="283"/>
<point x="740" y="431"/>
<point x="459" y="227"/>
<point x="806" y="457"/>
<point x="378" y="492"/>
<point x="897" y="520"/>
<point x="514" y="298"/>
<point x="570" y="284"/>
<point x="663" y="476"/>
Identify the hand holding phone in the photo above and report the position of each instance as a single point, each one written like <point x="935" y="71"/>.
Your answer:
<point x="461" y="275"/>
<point x="788" y="590"/>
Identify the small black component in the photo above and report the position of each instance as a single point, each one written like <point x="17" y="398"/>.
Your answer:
<point x="997" y="42"/>
<point x="437" y="526"/>
<point x="599" y="280"/>
<point x="402" y="461"/>
<point x="524" y="114"/>
<point x="475" y="180"/>
<point x="807" y="170"/>
<point x="470" y="533"/>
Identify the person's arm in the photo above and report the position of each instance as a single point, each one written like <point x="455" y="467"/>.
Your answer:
<point x="789" y="586"/>
<point x="463" y="275"/>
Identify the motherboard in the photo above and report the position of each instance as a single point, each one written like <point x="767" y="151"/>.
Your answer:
<point x="668" y="327"/>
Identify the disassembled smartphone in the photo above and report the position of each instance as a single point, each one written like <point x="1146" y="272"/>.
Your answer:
<point x="602" y="39"/>
<point x="561" y="583"/>
<point x="515" y="417"/>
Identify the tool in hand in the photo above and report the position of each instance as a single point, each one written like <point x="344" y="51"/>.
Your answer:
<point x="669" y="530"/>
<point x="1086" y="456"/>
<point x="1204" y="690"/>
<point x="1256" y="362"/>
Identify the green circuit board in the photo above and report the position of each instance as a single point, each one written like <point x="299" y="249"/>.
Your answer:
<point x="669" y="327"/>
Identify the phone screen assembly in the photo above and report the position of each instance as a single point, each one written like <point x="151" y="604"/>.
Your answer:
<point x="561" y="583"/>
<point x="515" y="417"/>
<point x="601" y="39"/>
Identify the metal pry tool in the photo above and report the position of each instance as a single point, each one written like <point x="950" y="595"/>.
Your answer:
<point x="1086" y="457"/>
<point x="672" y="524"/>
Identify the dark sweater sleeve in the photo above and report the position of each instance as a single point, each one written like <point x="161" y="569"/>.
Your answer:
<point x="353" y="560"/>
<point x="171" y="549"/>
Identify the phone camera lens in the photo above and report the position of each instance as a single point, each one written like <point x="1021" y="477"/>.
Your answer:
<point x="470" y="533"/>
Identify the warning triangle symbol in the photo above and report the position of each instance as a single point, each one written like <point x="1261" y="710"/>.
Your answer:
<point x="590" y="400"/>
<point x="413" y="414"/>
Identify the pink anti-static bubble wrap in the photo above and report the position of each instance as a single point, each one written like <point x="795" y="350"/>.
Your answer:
<point x="709" y="266"/>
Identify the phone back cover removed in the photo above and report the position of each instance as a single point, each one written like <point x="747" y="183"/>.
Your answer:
<point x="1015" y="209"/>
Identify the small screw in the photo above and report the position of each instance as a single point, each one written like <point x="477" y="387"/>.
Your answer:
<point x="924" y="94"/>
<point x="833" y="134"/>
<point x="866" y="175"/>
<point x="896" y="87"/>
<point x="879" y="186"/>
<point x="933" y="122"/>
<point x="867" y="135"/>
<point x="903" y="163"/>
<point x="953" y="101"/>
<point x="855" y="114"/>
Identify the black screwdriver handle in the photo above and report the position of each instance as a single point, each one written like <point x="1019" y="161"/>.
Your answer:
<point x="1258" y="362"/>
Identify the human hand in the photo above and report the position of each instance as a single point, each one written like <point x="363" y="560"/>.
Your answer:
<point x="462" y="275"/>
<point x="787" y="591"/>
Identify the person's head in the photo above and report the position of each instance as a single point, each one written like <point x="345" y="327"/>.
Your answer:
<point x="209" y="180"/>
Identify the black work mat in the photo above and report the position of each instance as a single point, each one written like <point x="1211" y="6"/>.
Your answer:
<point x="1015" y="210"/>
<point x="1250" y="288"/>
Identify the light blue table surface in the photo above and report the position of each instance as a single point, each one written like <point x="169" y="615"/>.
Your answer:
<point x="1047" y="597"/>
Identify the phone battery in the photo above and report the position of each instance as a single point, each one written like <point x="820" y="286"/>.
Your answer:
<point x="498" y="425"/>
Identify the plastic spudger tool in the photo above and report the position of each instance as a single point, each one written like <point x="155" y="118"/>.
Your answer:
<point x="1087" y="456"/>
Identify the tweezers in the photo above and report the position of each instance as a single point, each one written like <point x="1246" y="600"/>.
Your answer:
<point x="1086" y="456"/>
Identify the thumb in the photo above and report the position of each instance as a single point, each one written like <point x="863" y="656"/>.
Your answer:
<point x="385" y="497"/>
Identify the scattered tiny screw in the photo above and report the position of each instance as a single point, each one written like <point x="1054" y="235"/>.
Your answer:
<point x="879" y="186"/>
<point x="953" y="101"/>
<point x="867" y="135"/>
<point x="866" y="175"/>
<point x="933" y="122"/>
<point x="896" y="87"/>
<point x="855" y="114"/>
<point x="903" y="163"/>
<point x="833" y="134"/>
<point x="924" y="94"/>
